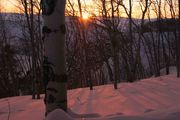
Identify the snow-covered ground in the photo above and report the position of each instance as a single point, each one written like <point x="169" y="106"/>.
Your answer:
<point x="148" y="99"/>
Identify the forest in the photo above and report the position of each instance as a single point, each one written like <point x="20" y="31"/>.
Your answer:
<point x="106" y="42"/>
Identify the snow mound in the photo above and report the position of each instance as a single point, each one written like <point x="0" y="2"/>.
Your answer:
<point x="58" y="114"/>
<point x="155" y="98"/>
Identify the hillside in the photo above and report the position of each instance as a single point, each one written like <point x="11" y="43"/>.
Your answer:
<point x="148" y="99"/>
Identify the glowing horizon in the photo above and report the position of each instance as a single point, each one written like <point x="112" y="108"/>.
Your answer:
<point x="89" y="8"/>
<point x="8" y="6"/>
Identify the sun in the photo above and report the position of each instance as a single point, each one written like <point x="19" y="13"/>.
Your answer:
<point x="85" y="16"/>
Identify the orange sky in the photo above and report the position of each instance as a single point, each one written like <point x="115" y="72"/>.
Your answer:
<point x="9" y="6"/>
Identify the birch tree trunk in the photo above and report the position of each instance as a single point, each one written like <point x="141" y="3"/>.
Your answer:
<point x="55" y="77"/>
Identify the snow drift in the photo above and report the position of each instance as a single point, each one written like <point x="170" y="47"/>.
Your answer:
<point x="148" y="99"/>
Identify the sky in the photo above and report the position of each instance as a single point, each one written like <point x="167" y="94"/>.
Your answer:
<point x="11" y="6"/>
<point x="8" y="5"/>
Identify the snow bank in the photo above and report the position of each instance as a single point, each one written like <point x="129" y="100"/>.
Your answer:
<point x="149" y="99"/>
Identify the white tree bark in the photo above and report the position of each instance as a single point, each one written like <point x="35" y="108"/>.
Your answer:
<point x="54" y="38"/>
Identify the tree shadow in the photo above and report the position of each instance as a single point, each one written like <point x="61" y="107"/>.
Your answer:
<point x="148" y="110"/>
<point x="115" y="114"/>
<point x="76" y="115"/>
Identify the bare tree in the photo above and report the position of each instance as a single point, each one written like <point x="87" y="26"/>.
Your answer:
<point x="32" y="39"/>
<point x="9" y="65"/>
<point x="110" y="23"/>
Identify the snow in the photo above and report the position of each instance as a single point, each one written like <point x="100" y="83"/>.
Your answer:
<point x="149" y="99"/>
<point x="58" y="114"/>
<point x="22" y="108"/>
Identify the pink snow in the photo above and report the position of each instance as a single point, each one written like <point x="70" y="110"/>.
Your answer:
<point x="154" y="95"/>
<point x="148" y="99"/>
<point x="58" y="114"/>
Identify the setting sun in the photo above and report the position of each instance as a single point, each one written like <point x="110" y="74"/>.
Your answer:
<point x="85" y="16"/>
